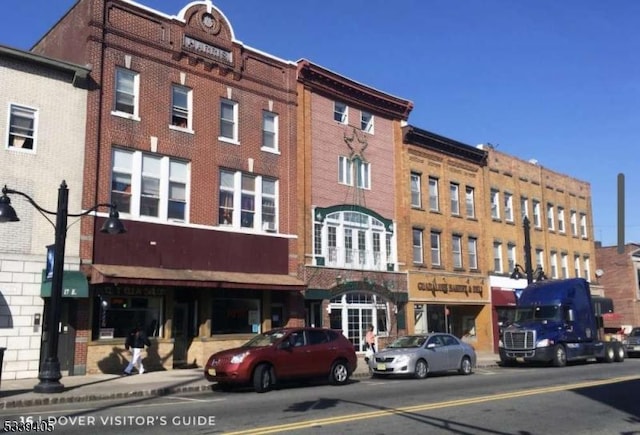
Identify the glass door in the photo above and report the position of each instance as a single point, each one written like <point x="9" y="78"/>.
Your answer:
<point x="358" y="320"/>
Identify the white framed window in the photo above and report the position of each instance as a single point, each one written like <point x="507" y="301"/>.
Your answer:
<point x="495" y="204"/>
<point x="181" y="107"/>
<point x="366" y="122"/>
<point x="561" y="228"/>
<point x="587" y="268"/>
<point x="553" y="259"/>
<point x="345" y="170"/>
<point x="149" y="186"/>
<point x="269" y="131"/>
<point x="23" y="122"/>
<point x="540" y="258"/>
<point x="416" y="194"/>
<point x="364" y="174"/>
<point x="454" y="190"/>
<point x="469" y="198"/>
<point x="564" y="265"/>
<point x="228" y="121"/>
<point x="583" y="225"/>
<point x="127" y="93"/>
<point x="550" y="217"/>
<point x="508" y="207"/>
<point x="434" y="202"/>
<point x="524" y="207"/>
<point x="435" y="249"/>
<point x="574" y="223"/>
<point x="456" y="251"/>
<point x="340" y="112"/>
<point x="248" y="201"/>
<point x="497" y="257"/>
<point x="511" y="257"/>
<point x="472" y="247"/>
<point x="577" y="269"/>
<point x="417" y="246"/>
<point x="537" y="218"/>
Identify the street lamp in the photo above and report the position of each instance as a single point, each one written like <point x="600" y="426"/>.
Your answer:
<point x="49" y="374"/>
<point x="518" y="271"/>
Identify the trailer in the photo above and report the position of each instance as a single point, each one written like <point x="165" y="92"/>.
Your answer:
<point x="555" y="322"/>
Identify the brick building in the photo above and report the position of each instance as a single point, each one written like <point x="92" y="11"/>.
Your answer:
<point x="43" y="145"/>
<point x="193" y="136"/>
<point x="442" y="238"/>
<point x="620" y="278"/>
<point x="558" y="207"/>
<point x="348" y="135"/>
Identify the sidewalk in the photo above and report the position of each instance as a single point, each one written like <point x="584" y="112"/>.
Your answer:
<point x="19" y="393"/>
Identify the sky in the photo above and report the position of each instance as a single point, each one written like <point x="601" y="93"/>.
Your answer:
<point x="555" y="81"/>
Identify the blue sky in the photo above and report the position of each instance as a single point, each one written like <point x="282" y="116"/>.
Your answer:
<point x="556" y="81"/>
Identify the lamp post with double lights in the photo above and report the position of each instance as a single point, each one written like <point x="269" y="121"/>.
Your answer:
<point x="49" y="375"/>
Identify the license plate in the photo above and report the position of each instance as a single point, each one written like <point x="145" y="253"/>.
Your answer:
<point x="636" y="347"/>
<point x="380" y="366"/>
<point x="212" y="372"/>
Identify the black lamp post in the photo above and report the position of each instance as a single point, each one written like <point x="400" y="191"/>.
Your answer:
<point x="49" y="374"/>
<point x="528" y="268"/>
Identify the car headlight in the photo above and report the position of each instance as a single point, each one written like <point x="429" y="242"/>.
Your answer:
<point x="500" y="343"/>
<point x="402" y="359"/>
<point x="238" y="358"/>
<point x="545" y="343"/>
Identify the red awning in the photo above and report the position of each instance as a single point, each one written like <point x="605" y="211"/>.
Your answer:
<point x="503" y="297"/>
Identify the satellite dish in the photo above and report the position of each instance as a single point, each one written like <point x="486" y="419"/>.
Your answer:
<point x="599" y="273"/>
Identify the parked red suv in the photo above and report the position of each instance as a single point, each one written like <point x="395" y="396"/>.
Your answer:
<point x="284" y="353"/>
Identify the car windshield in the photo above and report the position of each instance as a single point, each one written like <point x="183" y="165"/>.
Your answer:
<point x="538" y="312"/>
<point x="635" y="332"/>
<point x="266" y="339"/>
<point x="408" y="341"/>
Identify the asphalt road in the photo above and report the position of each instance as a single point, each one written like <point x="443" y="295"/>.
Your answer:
<point x="580" y="399"/>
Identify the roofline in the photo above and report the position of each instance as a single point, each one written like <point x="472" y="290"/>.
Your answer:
<point x="80" y="73"/>
<point x="338" y="86"/>
<point x="416" y="136"/>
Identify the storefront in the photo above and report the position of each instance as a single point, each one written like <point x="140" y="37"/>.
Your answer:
<point x="457" y="304"/>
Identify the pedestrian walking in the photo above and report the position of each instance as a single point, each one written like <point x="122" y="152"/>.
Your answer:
<point x="136" y="342"/>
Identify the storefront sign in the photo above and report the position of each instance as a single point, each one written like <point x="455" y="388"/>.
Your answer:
<point x="132" y="291"/>
<point x="435" y="287"/>
<point x="208" y="50"/>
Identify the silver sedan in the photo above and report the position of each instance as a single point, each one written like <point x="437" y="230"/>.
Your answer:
<point x="419" y="355"/>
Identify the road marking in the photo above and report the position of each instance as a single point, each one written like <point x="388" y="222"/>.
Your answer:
<point x="308" y="424"/>
<point x="192" y="399"/>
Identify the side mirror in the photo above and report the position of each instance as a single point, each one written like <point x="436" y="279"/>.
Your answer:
<point x="431" y="346"/>
<point x="571" y="315"/>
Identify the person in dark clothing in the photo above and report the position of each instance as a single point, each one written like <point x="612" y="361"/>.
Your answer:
<point x="136" y="342"/>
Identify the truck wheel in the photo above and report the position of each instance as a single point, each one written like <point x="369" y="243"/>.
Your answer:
<point x="559" y="356"/>
<point x="609" y="353"/>
<point x="619" y="352"/>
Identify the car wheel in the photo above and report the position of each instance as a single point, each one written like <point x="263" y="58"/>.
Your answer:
<point x="559" y="356"/>
<point x="339" y="373"/>
<point x="465" y="366"/>
<point x="619" y="353"/>
<point x="262" y="378"/>
<point x="422" y="369"/>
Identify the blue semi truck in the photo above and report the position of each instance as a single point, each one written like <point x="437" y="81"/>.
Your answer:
<point x="556" y="321"/>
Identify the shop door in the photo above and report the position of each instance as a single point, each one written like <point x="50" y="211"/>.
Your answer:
<point x="66" y="334"/>
<point x="358" y="320"/>
<point x="180" y="333"/>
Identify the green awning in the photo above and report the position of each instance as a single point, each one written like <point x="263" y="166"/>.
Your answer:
<point x="74" y="285"/>
<point x="401" y="297"/>
<point x="317" y="294"/>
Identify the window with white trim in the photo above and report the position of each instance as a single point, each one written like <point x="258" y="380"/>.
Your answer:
<point x="456" y="251"/>
<point x="564" y="265"/>
<point x="228" y="120"/>
<point x="454" y="190"/>
<point x="495" y="204"/>
<point x="366" y="122"/>
<point x="553" y="258"/>
<point x="269" y="131"/>
<point x="561" y="219"/>
<point x="22" y="127"/>
<point x="576" y="266"/>
<point x="583" y="225"/>
<point x="508" y="207"/>
<point x="127" y="92"/>
<point x="435" y="249"/>
<point x="539" y="259"/>
<point x="472" y="247"/>
<point x="364" y="174"/>
<point x="550" y="217"/>
<point x="587" y="268"/>
<point x="574" y="223"/>
<point x="434" y="203"/>
<point x="345" y="170"/>
<point x="537" y="218"/>
<point x="248" y="201"/>
<point x="497" y="257"/>
<point x="340" y="112"/>
<point x="416" y="194"/>
<point x="181" y="104"/>
<point x="469" y="197"/>
<point x="150" y="186"/>
<point x="524" y="207"/>
<point x="357" y="169"/>
<point x="511" y="257"/>
<point x="417" y="246"/>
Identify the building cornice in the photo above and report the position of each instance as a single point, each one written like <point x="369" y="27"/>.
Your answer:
<point x="431" y="141"/>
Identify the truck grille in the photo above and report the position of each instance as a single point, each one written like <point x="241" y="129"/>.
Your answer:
<point x="519" y="339"/>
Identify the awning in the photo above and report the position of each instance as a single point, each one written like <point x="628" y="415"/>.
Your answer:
<point x="503" y="297"/>
<point x="74" y="285"/>
<point x="105" y="273"/>
<point x="317" y="294"/>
